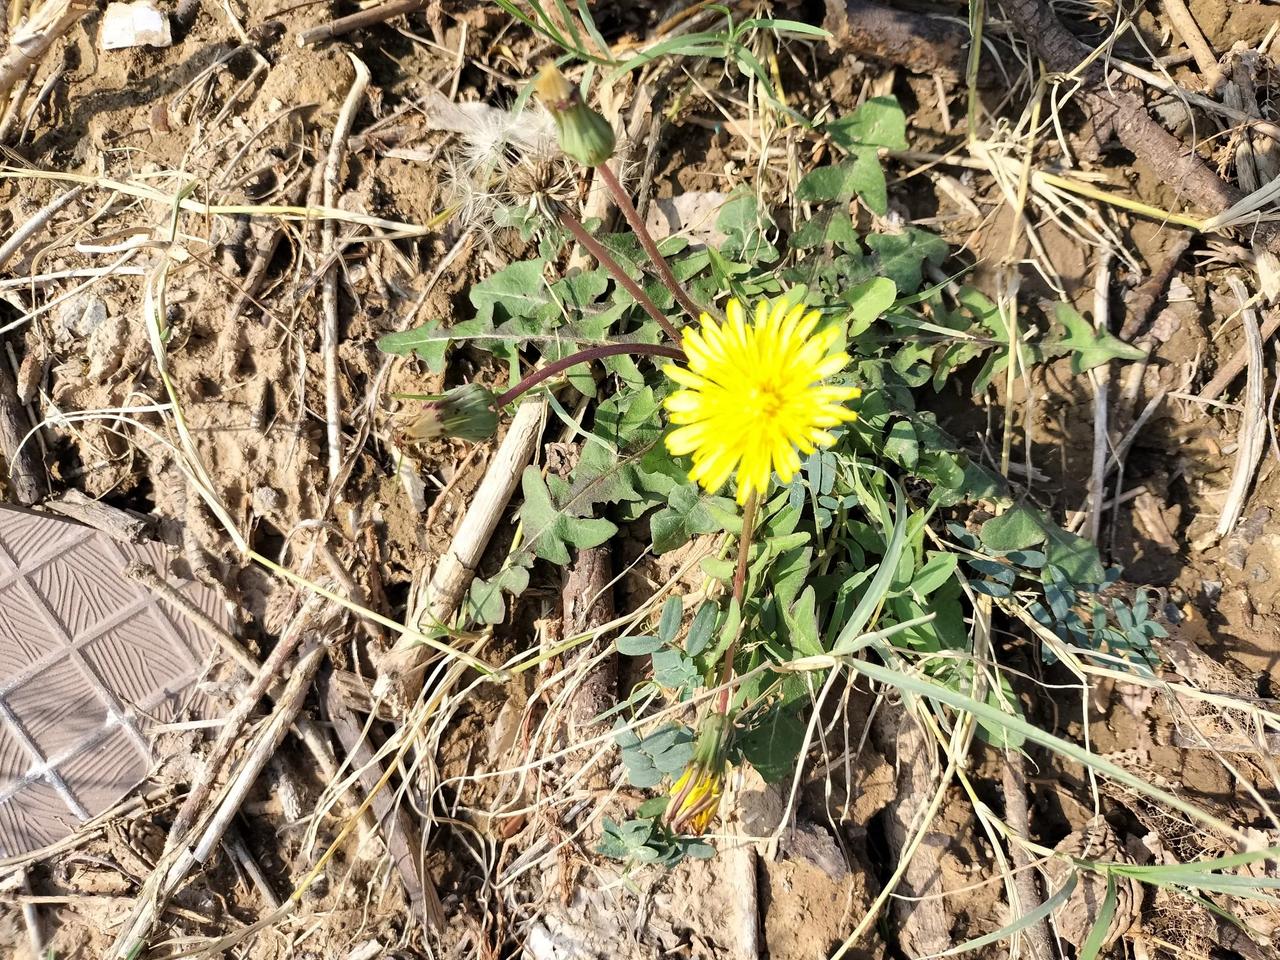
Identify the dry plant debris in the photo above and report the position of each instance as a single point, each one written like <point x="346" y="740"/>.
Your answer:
<point x="248" y="279"/>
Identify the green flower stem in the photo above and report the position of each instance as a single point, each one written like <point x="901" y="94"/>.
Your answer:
<point x="739" y="590"/>
<point x="642" y="233"/>
<point x="586" y="356"/>
<point x="597" y="250"/>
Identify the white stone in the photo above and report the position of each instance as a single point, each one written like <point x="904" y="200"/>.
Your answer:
<point x="137" y="24"/>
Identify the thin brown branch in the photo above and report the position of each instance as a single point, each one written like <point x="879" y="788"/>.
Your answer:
<point x="358" y="21"/>
<point x="597" y="250"/>
<point x="1122" y="111"/>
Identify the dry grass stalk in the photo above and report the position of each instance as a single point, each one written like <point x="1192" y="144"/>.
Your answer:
<point x="148" y="577"/>
<point x="264" y="679"/>
<point x="741" y="867"/>
<point x="399" y="833"/>
<point x="436" y="599"/>
<point x="330" y="258"/>
<point x="1253" y="426"/>
<point x="42" y="216"/>
<point x="1117" y="455"/>
<point x="34" y="38"/>
<point x="1100" y="377"/>
<point x="1256" y="123"/>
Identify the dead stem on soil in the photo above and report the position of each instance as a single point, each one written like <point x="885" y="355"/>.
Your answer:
<point x="358" y="21"/>
<point x="436" y="597"/>
<point x="395" y="230"/>
<point x="32" y="39"/>
<point x="179" y="861"/>
<point x="1100" y="380"/>
<point x="400" y="832"/>
<point x="330" y="256"/>
<point x="1253" y="425"/>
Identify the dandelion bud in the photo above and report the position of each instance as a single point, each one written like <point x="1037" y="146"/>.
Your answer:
<point x="466" y="412"/>
<point x="585" y="135"/>
<point x="695" y="796"/>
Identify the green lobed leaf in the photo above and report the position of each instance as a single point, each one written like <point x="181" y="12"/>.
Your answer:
<point x="484" y="602"/>
<point x="550" y="530"/>
<point x="688" y="513"/>
<point x="1090" y="346"/>
<point x="860" y="176"/>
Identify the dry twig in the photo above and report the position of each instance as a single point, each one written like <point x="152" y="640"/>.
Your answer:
<point x="1238" y="361"/>
<point x="436" y="600"/>
<point x="588" y="603"/>
<point x="399" y="833"/>
<point x="357" y="21"/>
<point x="1187" y="28"/>
<point x="916" y="41"/>
<point x="1124" y="112"/>
<point x="1014" y="776"/>
<point x="1253" y="425"/>
<point x="42" y="216"/>
<point x="23" y="476"/>
<point x="1100" y="378"/>
<point x="178" y="862"/>
<point x="920" y="915"/>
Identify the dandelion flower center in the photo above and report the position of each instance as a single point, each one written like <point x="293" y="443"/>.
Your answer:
<point x="753" y="396"/>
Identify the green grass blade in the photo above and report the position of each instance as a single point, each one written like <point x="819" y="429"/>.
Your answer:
<point x="589" y="24"/>
<point x="896" y="540"/>
<point x="983" y="711"/>
<point x="1098" y="933"/>
<point x="784" y="27"/>
<point x="1035" y="916"/>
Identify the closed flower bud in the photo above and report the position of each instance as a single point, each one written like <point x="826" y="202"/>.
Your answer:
<point x="585" y="135"/>
<point x="695" y="796"/>
<point x="466" y="412"/>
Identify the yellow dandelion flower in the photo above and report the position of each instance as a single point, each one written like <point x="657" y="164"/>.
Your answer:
<point x="754" y="397"/>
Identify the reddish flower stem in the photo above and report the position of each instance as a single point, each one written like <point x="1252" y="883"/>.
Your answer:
<point x="597" y="250"/>
<point x="749" y="510"/>
<point x="642" y="233"/>
<point x="586" y="356"/>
